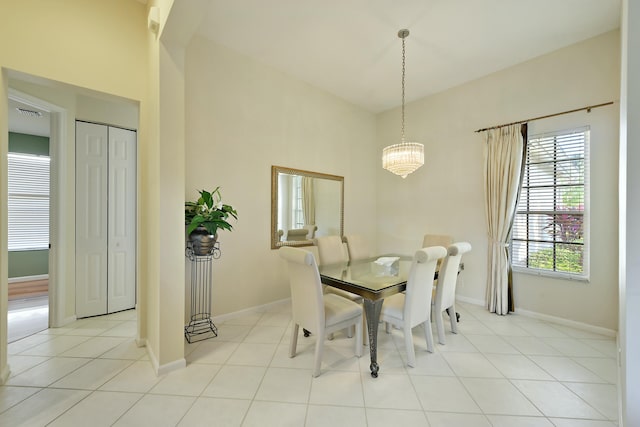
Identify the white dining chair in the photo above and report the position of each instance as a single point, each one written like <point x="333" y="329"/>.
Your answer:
<point x="331" y="250"/>
<point x="445" y="299"/>
<point x="319" y="313"/>
<point x="437" y="240"/>
<point x="358" y="247"/>
<point x="412" y="308"/>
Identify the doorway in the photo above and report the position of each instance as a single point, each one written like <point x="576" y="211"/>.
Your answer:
<point x="28" y="214"/>
<point x="65" y="103"/>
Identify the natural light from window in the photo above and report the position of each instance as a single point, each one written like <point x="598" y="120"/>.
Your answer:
<point x="549" y="229"/>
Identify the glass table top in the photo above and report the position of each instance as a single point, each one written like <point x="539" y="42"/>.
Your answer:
<point x="368" y="275"/>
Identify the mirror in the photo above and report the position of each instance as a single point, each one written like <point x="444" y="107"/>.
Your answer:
<point x="304" y="205"/>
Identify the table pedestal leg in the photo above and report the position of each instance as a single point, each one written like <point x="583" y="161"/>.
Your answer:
<point x="372" y="310"/>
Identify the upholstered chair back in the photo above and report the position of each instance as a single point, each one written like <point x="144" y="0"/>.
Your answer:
<point x="358" y="247"/>
<point x="417" y="306"/>
<point x="306" y="288"/>
<point x="331" y="250"/>
<point x="448" y="275"/>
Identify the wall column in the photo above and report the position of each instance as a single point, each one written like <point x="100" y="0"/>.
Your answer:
<point x="629" y="192"/>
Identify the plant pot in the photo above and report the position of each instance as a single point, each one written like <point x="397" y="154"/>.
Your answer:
<point x="201" y="242"/>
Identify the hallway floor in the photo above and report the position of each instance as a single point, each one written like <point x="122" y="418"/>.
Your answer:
<point x="27" y="316"/>
<point x="498" y="371"/>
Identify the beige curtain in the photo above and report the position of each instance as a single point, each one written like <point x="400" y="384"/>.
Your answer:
<point x="503" y="159"/>
<point x="308" y="201"/>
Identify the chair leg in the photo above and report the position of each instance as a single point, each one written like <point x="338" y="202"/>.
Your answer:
<point x="453" y="318"/>
<point x="387" y="327"/>
<point x="428" y="335"/>
<point x="350" y="331"/>
<point x="359" y="339"/>
<point x="440" y="327"/>
<point x="294" y="340"/>
<point x="408" y="342"/>
<point x="318" y="355"/>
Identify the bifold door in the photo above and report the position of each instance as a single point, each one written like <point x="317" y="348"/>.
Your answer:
<point x="105" y="219"/>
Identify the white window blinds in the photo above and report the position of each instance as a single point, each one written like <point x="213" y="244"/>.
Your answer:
<point x="549" y="228"/>
<point x="28" y="202"/>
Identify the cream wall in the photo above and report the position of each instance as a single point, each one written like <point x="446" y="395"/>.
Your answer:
<point x="105" y="47"/>
<point x="446" y="194"/>
<point x="241" y="118"/>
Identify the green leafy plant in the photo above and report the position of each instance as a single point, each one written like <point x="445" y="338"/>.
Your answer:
<point x="567" y="258"/>
<point x="209" y="212"/>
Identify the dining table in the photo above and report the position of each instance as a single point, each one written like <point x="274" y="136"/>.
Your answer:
<point x="374" y="279"/>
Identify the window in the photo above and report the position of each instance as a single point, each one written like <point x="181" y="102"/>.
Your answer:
<point x="549" y="229"/>
<point x="297" y="212"/>
<point x="28" y="202"/>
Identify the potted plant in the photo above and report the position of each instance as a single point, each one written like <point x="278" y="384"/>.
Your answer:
<point x="204" y="218"/>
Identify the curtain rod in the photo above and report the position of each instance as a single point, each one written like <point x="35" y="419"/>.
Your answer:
<point x="588" y="108"/>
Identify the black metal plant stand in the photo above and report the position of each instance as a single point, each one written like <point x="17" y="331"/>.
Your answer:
<point x="201" y="326"/>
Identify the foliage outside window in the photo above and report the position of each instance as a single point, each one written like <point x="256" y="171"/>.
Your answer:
<point x="28" y="206"/>
<point x="549" y="229"/>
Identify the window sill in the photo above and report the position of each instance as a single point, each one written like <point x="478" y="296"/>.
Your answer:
<point x="552" y="274"/>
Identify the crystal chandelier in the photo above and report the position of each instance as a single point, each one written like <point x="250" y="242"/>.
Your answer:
<point x="406" y="157"/>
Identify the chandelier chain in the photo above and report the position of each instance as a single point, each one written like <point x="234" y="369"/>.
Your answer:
<point x="403" y="73"/>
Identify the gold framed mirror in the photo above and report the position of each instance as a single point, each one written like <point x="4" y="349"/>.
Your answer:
<point x="304" y="205"/>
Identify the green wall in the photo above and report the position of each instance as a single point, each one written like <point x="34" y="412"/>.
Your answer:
<point x="28" y="144"/>
<point x="28" y="263"/>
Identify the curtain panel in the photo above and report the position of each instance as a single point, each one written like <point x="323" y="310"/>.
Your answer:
<point x="504" y="155"/>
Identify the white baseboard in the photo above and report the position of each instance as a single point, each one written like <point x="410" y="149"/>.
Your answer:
<point x="566" y="322"/>
<point x="256" y="309"/>
<point x="469" y="300"/>
<point x="4" y="375"/>
<point x="64" y="322"/>
<point x="153" y="359"/>
<point x="172" y="366"/>
<point x="552" y="319"/>
<point x="167" y="367"/>
<point x="28" y="278"/>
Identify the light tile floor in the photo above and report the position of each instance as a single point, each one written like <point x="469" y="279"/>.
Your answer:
<point x="497" y="371"/>
<point x="27" y="316"/>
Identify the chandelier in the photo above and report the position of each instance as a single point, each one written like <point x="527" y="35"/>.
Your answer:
<point x="406" y="157"/>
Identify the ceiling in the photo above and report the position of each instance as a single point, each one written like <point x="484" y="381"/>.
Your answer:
<point x="28" y="123"/>
<point x="351" y="49"/>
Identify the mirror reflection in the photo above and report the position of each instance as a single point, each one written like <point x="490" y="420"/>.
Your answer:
<point x="304" y="205"/>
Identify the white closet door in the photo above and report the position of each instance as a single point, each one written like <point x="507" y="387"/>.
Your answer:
<point x="122" y="220"/>
<point x="91" y="219"/>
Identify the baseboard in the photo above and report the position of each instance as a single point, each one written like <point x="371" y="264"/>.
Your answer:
<point x="172" y="366"/>
<point x="566" y="322"/>
<point x="469" y="300"/>
<point x="64" y="322"/>
<point x="256" y="309"/>
<point x="552" y="319"/>
<point x="28" y="278"/>
<point x="4" y="375"/>
<point x="167" y="367"/>
<point x="153" y="359"/>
